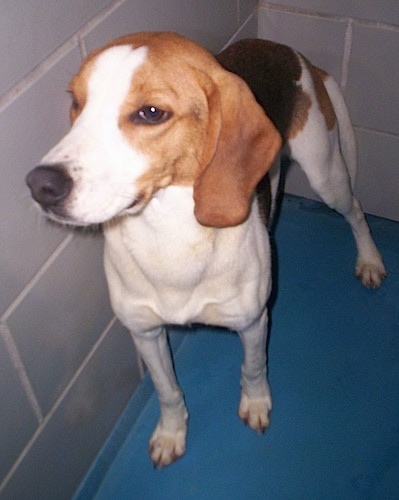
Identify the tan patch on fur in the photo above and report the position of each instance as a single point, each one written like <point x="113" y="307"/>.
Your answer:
<point x="175" y="148"/>
<point x="323" y="99"/>
<point x="300" y="115"/>
<point x="303" y="102"/>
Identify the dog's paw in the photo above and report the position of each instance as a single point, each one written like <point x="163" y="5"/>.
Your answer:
<point x="166" y="446"/>
<point x="370" y="274"/>
<point x="255" y="412"/>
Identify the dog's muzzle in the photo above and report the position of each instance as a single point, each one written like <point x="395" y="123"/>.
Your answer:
<point x="50" y="186"/>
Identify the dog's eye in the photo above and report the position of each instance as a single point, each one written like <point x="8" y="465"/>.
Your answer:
<point x="149" y="115"/>
<point x="74" y="105"/>
<point x="75" y="108"/>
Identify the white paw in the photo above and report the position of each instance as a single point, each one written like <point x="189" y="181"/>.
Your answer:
<point x="167" y="446"/>
<point x="255" y="412"/>
<point x="370" y="274"/>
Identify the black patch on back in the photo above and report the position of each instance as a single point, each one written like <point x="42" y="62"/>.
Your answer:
<point x="272" y="71"/>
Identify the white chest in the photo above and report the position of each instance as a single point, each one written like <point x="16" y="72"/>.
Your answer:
<point x="164" y="267"/>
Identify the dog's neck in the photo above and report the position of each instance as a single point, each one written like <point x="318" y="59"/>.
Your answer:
<point x="164" y="227"/>
<point x="169" y="211"/>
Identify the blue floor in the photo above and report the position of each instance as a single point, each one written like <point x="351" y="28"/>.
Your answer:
<point x="334" y="374"/>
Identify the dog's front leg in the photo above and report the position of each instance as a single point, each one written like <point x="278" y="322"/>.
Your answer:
<point x="168" y="441"/>
<point x="256" y="402"/>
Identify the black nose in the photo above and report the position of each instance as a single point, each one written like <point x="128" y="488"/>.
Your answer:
<point x="49" y="185"/>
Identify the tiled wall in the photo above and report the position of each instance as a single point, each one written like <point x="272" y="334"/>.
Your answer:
<point x="358" y="43"/>
<point x="67" y="368"/>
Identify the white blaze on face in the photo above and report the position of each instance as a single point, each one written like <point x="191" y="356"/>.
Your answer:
<point x="100" y="160"/>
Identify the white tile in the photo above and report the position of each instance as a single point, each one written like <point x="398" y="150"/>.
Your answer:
<point x="320" y="40"/>
<point x="57" y="324"/>
<point x="208" y="22"/>
<point x="28" y="128"/>
<point x="373" y="79"/>
<point x="378" y="180"/>
<point x="30" y="31"/>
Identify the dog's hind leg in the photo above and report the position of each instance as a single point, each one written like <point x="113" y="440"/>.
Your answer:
<point x="168" y="441"/>
<point x="326" y="169"/>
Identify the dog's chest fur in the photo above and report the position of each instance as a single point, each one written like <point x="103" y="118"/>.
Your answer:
<point x="189" y="272"/>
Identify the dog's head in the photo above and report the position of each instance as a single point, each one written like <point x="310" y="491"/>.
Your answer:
<point x="148" y="111"/>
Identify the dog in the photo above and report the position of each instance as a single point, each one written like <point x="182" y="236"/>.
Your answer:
<point x="177" y="154"/>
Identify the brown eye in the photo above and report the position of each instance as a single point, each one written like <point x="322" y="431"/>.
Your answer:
<point x="75" y="108"/>
<point x="74" y="104"/>
<point x="149" y="115"/>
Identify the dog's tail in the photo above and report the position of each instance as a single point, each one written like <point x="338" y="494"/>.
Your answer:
<point x="345" y="129"/>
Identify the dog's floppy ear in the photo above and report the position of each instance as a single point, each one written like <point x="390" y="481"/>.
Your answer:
<point x="242" y="144"/>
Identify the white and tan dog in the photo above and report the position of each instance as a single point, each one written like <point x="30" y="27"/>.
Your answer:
<point x="169" y="151"/>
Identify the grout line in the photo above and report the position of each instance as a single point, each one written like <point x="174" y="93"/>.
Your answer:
<point x="376" y="24"/>
<point x="242" y="26"/>
<point x="20" y="369"/>
<point x="82" y="47"/>
<point x="376" y="131"/>
<point x="30" y="79"/>
<point x="56" y="405"/>
<point x="99" y="18"/>
<point x="36" y="278"/>
<point x="346" y="55"/>
<point x="263" y="4"/>
<point x="300" y="11"/>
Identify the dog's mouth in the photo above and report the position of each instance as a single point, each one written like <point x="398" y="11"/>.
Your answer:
<point x="136" y="205"/>
<point x="136" y="202"/>
<point x="61" y="215"/>
<point x="54" y="191"/>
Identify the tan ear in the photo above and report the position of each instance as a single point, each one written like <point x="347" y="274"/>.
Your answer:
<point x="244" y="144"/>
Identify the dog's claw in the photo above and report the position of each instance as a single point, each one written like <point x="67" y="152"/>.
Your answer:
<point x="255" y="413"/>
<point x="370" y="274"/>
<point x="166" y="447"/>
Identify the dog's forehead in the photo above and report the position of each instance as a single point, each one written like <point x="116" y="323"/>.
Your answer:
<point x="105" y="76"/>
<point x="111" y="71"/>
